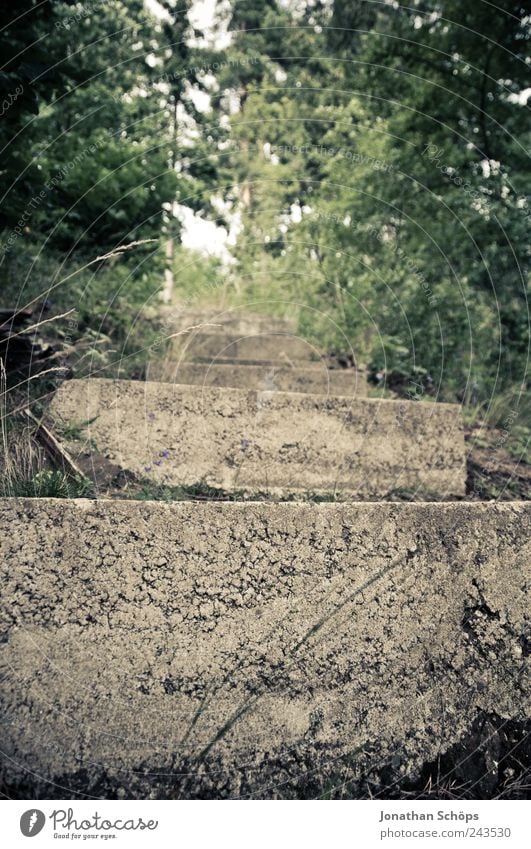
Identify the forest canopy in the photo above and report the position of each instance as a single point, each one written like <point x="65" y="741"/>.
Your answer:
<point x="369" y="160"/>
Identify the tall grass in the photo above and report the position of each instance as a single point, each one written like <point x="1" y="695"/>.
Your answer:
<point x="95" y="295"/>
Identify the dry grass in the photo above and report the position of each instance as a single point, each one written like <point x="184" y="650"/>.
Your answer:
<point x="21" y="458"/>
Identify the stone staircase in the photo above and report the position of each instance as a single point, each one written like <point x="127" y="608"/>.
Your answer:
<point x="253" y="649"/>
<point x="245" y="351"/>
<point x="260" y="439"/>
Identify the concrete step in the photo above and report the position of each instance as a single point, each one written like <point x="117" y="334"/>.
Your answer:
<point x="274" y="442"/>
<point x="266" y="650"/>
<point x="273" y="378"/>
<point x="259" y="346"/>
<point x="229" y="320"/>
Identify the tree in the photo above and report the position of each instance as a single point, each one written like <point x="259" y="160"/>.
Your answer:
<point x="30" y="76"/>
<point x="414" y="239"/>
<point x="104" y="145"/>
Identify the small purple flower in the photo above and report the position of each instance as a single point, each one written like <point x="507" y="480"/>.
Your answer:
<point x="244" y="444"/>
<point x="158" y="462"/>
<point x="147" y="468"/>
<point x="151" y="416"/>
<point x="164" y="454"/>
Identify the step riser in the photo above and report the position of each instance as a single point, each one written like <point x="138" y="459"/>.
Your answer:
<point x="280" y="347"/>
<point x="317" y="381"/>
<point x="269" y="441"/>
<point x="279" y="362"/>
<point x="230" y="322"/>
<point x="251" y="649"/>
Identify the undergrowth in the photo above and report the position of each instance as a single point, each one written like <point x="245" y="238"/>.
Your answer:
<point x="48" y="483"/>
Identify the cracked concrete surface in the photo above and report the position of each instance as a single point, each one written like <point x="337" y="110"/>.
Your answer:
<point x="268" y="441"/>
<point x="264" y="650"/>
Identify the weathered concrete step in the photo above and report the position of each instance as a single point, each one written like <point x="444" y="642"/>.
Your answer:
<point x="217" y="650"/>
<point x="231" y="321"/>
<point x="273" y="378"/>
<point x="260" y="346"/>
<point x="281" y="361"/>
<point x="269" y="441"/>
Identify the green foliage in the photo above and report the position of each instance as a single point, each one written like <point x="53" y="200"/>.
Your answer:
<point x="31" y="75"/>
<point x="46" y="484"/>
<point x="110" y="148"/>
<point x="103" y="149"/>
<point x="403" y="145"/>
<point x="110" y="308"/>
<point x="198" y="278"/>
<point x="74" y="431"/>
<point x="374" y="154"/>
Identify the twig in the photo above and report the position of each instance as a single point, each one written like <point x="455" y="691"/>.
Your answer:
<point x="52" y="445"/>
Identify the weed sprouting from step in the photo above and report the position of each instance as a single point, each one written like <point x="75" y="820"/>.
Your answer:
<point x="73" y="431"/>
<point x="404" y="494"/>
<point x="48" y="483"/>
<point x="151" y="491"/>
